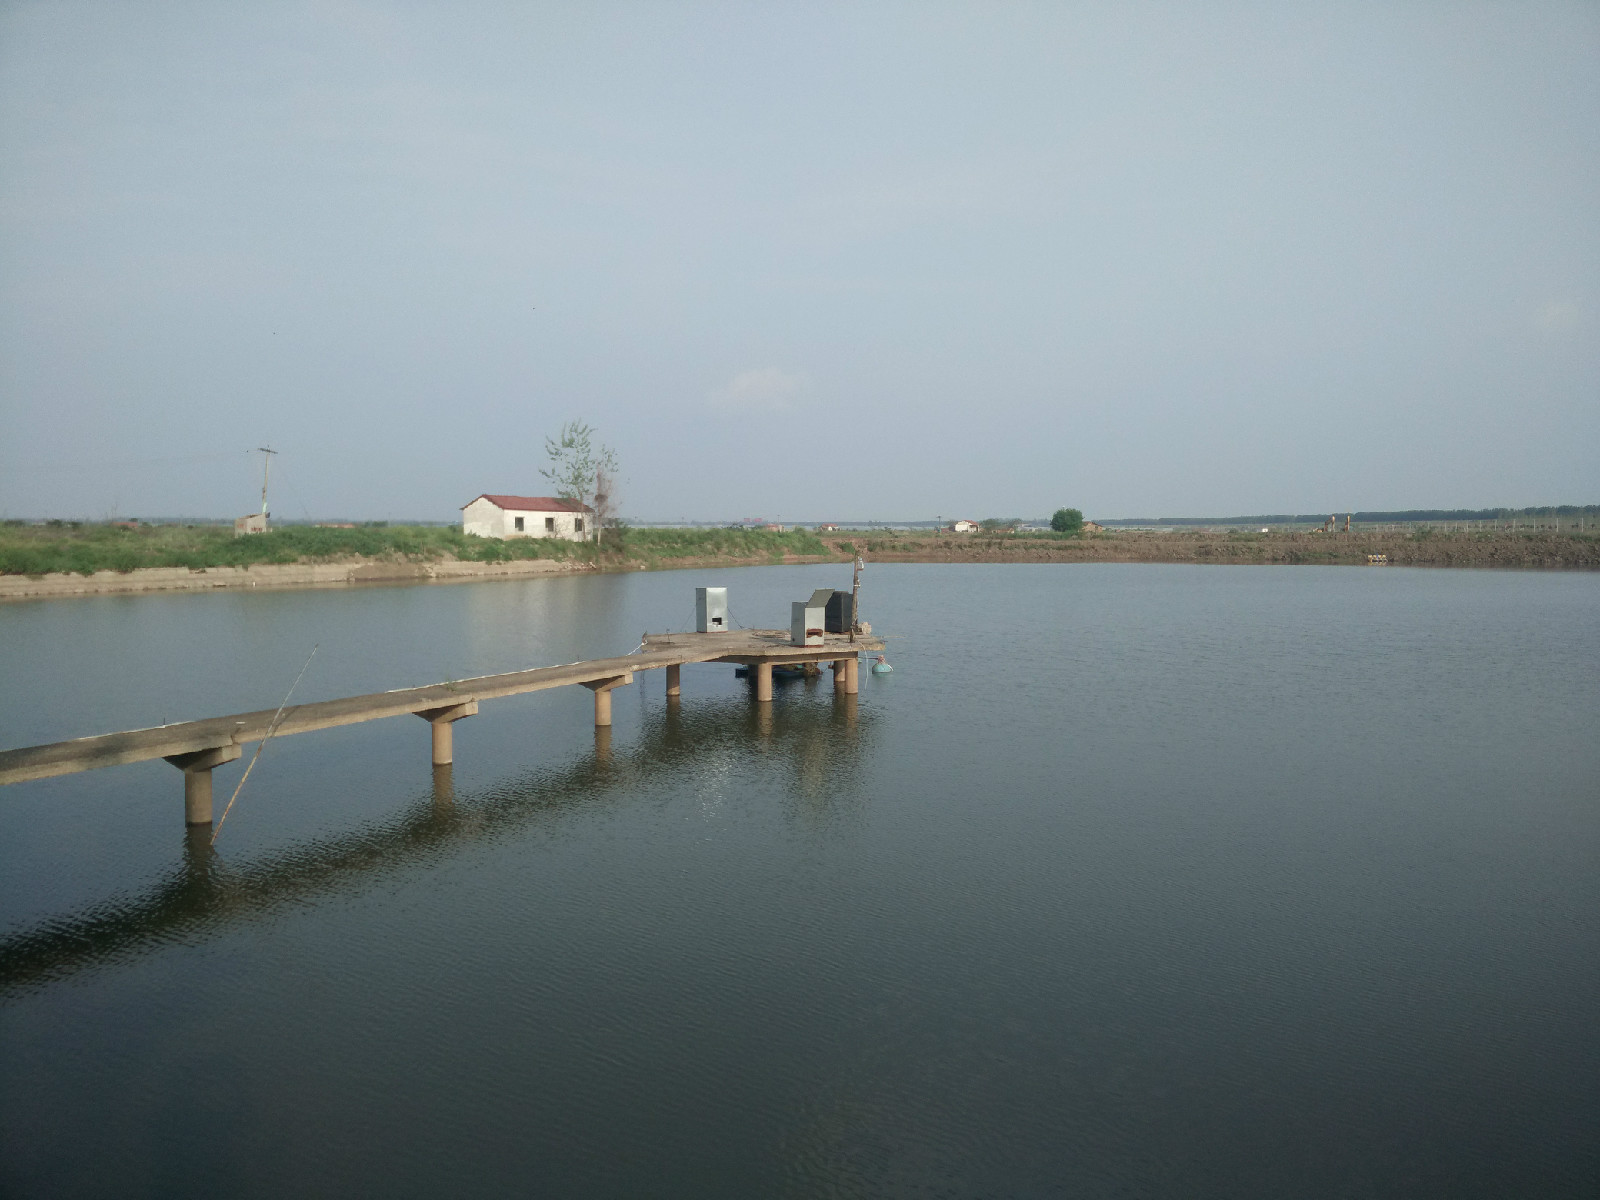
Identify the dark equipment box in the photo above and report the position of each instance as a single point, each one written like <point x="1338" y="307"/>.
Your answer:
<point x="840" y="615"/>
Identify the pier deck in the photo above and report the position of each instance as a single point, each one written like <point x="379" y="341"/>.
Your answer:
<point x="196" y="747"/>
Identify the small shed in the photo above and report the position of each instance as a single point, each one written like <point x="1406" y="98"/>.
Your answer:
<point x="500" y="516"/>
<point x="963" y="527"/>
<point x="254" y="523"/>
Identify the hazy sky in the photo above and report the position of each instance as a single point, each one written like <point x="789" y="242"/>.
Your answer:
<point x="800" y="261"/>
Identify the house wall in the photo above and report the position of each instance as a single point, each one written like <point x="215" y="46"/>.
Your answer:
<point x="482" y="518"/>
<point x="487" y="519"/>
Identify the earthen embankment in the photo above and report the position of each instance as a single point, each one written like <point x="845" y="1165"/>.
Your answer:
<point x="272" y="575"/>
<point x="1496" y="549"/>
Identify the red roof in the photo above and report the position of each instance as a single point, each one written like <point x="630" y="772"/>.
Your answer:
<point x="529" y="503"/>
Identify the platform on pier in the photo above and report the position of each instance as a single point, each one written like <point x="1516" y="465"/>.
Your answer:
<point x="749" y="647"/>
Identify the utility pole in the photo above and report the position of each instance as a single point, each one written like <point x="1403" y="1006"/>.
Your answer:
<point x="266" y="470"/>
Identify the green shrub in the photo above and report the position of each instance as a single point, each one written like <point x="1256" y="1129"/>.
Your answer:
<point x="1067" y="520"/>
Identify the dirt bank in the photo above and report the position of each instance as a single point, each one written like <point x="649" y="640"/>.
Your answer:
<point x="1572" y="551"/>
<point x="339" y="574"/>
<point x="293" y="575"/>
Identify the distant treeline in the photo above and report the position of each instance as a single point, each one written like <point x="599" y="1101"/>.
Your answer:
<point x="1403" y="516"/>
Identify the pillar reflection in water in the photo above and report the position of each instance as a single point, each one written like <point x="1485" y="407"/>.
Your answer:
<point x="444" y="788"/>
<point x="818" y="747"/>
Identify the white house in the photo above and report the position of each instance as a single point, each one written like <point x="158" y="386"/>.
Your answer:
<point x="525" y="516"/>
<point x="963" y="527"/>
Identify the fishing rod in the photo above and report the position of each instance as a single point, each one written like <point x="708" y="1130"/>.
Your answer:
<point x="272" y="728"/>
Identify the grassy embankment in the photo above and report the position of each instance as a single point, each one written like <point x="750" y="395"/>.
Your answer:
<point x="1420" y="547"/>
<point x="83" y="548"/>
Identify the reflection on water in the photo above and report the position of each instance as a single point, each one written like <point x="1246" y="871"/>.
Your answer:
<point x="818" y="748"/>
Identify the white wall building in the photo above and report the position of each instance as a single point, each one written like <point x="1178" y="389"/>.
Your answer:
<point x="526" y="516"/>
<point x="963" y="527"/>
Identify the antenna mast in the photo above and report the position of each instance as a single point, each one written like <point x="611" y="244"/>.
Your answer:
<point x="266" y="471"/>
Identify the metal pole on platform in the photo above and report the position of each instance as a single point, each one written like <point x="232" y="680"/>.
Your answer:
<point x="855" y="599"/>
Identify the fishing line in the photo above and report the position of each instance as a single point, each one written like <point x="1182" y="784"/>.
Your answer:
<point x="272" y="728"/>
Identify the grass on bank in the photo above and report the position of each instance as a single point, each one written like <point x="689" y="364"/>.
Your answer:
<point x="655" y="545"/>
<point x="86" y="547"/>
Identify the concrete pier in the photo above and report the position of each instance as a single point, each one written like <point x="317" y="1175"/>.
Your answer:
<point x="442" y="719"/>
<point x="196" y="767"/>
<point x="602" y="697"/>
<point x="197" y="747"/>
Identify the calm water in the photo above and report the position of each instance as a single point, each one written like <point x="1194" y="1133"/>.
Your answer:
<point x="1130" y="881"/>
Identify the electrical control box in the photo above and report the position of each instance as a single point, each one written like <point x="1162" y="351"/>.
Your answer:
<point x="711" y="609"/>
<point x="805" y="623"/>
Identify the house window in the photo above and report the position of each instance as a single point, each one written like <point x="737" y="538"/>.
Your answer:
<point x="519" y="524"/>
<point x="577" y="524"/>
<point x="549" y="524"/>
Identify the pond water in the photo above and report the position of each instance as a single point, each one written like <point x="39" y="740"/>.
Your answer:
<point x="1129" y="881"/>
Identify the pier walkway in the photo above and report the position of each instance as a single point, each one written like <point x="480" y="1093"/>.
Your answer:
<point x="197" y="747"/>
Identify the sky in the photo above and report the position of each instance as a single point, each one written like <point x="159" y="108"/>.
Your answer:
<point x="866" y="261"/>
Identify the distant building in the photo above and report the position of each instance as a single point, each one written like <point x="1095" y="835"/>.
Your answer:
<point x="963" y="527"/>
<point x="1092" y="527"/>
<point x="525" y="516"/>
<point x="771" y="527"/>
<point x="827" y="529"/>
<point x="254" y="523"/>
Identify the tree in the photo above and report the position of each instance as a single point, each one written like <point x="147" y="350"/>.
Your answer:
<point x="583" y="474"/>
<point x="1067" y="520"/>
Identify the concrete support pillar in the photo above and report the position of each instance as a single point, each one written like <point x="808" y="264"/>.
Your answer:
<point x="442" y="719"/>
<point x="852" y="675"/>
<point x="839" y="672"/>
<point x="763" y="682"/>
<point x="197" y="797"/>
<point x="602" y="697"/>
<point x="196" y="767"/>
<point x="674" y="679"/>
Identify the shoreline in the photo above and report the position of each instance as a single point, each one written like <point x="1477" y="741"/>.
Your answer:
<point x="354" y="572"/>
<point x="1499" y="551"/>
